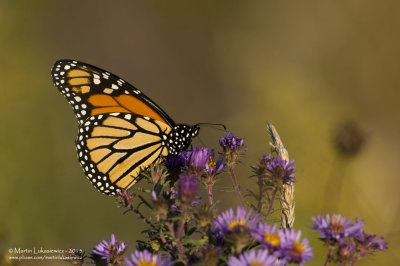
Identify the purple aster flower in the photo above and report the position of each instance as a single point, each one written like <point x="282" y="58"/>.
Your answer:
<point x="176" y="162"/>
<point x="185" y="157"/>
<point x="187" y="189"/>
<point x="279" y="170"/>
<point x="198" y="158"/>
<point x="336" y="228"/>
<point x="229" y="222"/>
<point x="214" y="167"/>
<point x="231" y="142"/>
<point x="175" y="165"/>
<point x="345" y="252"/>
<point x="194" y="161"/>
<point x="366" y="243"/>
<point x="231" y="147"/>
<point x="144" y="257"/>
<point x="268" y="236"/>
<point x="112" y="250"/>
<point x="293" y="249"/>
<point x="254" y="258"/>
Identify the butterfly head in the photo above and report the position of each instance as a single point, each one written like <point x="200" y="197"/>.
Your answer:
<point x="181" y="138"/>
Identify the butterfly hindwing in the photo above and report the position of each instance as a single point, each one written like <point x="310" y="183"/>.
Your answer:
<point x="113" y="148"/>
<point x="91" y="91"/>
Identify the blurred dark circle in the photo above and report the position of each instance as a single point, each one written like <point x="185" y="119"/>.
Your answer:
<point x="349" y="139"/>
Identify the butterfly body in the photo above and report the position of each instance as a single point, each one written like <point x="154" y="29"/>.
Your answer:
<point x="121" y="131"/>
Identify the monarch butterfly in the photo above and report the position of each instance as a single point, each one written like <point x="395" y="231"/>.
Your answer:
<point x="121" y="130"/>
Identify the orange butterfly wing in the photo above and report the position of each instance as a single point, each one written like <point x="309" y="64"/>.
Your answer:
<point x="91" y="91"/>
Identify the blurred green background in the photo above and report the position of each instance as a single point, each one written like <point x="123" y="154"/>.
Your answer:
<point x="305" y="66"/>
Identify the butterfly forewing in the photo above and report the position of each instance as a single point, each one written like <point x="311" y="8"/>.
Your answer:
<point x="91" y="91"/>
<point x="114" y="148"/>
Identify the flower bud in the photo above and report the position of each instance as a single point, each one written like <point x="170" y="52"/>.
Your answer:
<point x="187" y="189"/>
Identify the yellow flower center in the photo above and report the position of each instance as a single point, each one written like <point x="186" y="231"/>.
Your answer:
<point x="256" y="263"/>
<point x="297" y="249"/>
<point x="336" y="226"/>
<point x="211" y="162"/>
<point x="273" y="240"/>
<point x="147" y="263"/>
<point x="237" y="222"/>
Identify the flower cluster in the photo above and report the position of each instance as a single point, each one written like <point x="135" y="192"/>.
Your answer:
<point x="199" y="162"/>
<point x="281" y="244"/>
<point x="184" y="229"/>
<point x="346" y="239"/>
<point x="284" y="244"/>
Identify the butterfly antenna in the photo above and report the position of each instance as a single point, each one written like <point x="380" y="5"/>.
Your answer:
<point x="213" y="125"/>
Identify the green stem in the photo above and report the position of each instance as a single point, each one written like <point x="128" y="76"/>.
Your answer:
<point x="178" y="242"/>
<point x="271" y="203"/>
<point x="354" y="261"/>
<point x="261" y="200"/>
<point x="328" y="256"/>
<point x="210" y="195"/>
<point x="180" y="233"/>
<point x="236" y="186"/>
